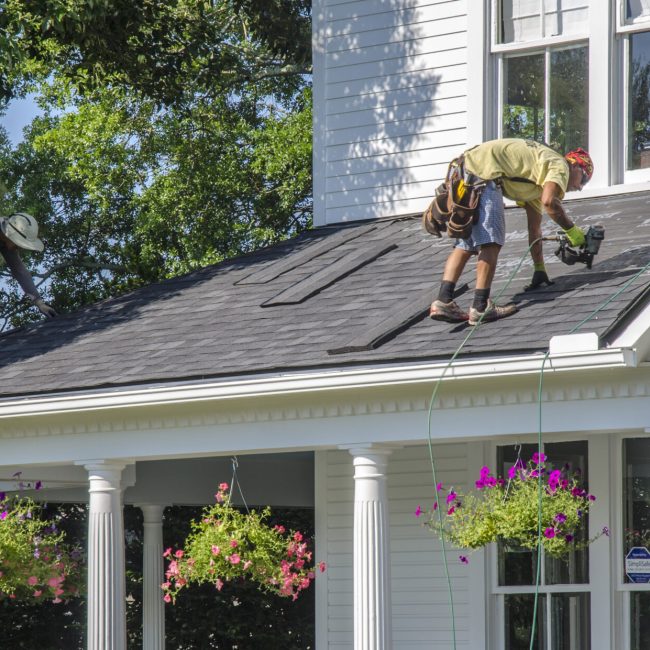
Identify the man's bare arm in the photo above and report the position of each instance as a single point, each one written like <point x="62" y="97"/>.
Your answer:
<point x="534" y="232"/>
<point x="552" y="203"/>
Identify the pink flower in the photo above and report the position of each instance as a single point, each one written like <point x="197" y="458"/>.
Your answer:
<point x="549" y="533"/>
<point x="219" y="584"/>
<point x="451" y="510"/>
<point x="179" y="554"/>
<point x="37" y="593"/>
<point x="234" y="543"/>
<point x="234" y="559"/>
<point x="223" y="486"/>
<point x="165" y="585"/>
<point x="215" y="550"/>
<point x="219" y="497"/>
<point x="418" y="511"/>
<point x="32" y="580"/>
<point x="55" y="581"/>
<point x="322" y="566"/>
<point x="167" y="552"/>
<point x="297" y="536"/>
<point x="280" y="529"/>
<point x="56" y="601"/>
<point x="247" y="564"/>
<point x="538" y="458"/>
<point x="167" y="598"/>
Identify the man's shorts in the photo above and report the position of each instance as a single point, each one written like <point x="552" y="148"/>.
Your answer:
<point x="491" y="225"/>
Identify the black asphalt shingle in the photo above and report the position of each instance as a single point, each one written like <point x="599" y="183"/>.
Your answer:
<point x="211" y="323"/>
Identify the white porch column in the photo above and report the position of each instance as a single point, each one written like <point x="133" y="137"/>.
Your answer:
<point x="106" y="579"/>
<point x="371" y="559"/>
<point x="153" y="607"/>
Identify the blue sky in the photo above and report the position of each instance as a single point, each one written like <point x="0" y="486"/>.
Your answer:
<point x="20" y="113"/>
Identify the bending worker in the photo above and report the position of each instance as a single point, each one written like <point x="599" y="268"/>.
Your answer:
<point x="20" y="230"/>
<point x="533" y="175"/>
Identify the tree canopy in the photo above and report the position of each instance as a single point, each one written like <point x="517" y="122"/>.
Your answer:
<point x="173" y="134"/>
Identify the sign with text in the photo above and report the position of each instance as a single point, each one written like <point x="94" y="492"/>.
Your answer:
<point x="637" y="564"/>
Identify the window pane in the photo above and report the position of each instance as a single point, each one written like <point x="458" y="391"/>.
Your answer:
<point x="569" y="104"/>
<point x="518" y="619"/>
<point x="639" y="620"/>
<point x="638" y="136"/>
<point x="523" y="105"/>
<point x="637" y="9"/>
<point x="570" y="621"/>
<point x="636" y="493"/>
<point x="574" y="569"/>
<point x="516" y="565"/>
<point x="520" y="21"/>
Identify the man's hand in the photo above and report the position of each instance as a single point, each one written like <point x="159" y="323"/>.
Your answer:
<point x="45" y="309"/>
<point x="539" y="278"/>
<point x="575" y="236"/>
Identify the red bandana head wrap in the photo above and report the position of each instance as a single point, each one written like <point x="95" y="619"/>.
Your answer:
<point x="581" y="158"/>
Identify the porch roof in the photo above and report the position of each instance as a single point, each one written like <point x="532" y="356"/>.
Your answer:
<point x="354" y="294"/>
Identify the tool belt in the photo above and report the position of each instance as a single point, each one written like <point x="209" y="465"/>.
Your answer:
<point x="454" y="208"/>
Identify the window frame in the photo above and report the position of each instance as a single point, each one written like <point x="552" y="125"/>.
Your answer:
<point x="623" y="589"/>
<point x="624" y="25"/>
<point x="599" y="587"/>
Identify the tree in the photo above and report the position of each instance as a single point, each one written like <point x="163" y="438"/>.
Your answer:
<point x="138" y="173"/>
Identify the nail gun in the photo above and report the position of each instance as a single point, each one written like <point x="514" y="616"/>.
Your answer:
<point x="585" y="254"/>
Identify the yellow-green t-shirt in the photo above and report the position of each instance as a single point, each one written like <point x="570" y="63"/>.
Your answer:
<point x="514" y="158"/>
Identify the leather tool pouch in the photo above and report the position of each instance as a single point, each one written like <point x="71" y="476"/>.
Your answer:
<point x="454" y="208"/>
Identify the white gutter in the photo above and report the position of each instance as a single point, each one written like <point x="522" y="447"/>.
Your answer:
<point x="314" y="381"/>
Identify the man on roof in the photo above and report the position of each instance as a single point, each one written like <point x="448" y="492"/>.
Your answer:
<point x="20" y="230"/>
<point x="536" y="177"/>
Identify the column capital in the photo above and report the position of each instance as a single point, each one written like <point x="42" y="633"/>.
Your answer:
<point x="369" y="448"/>
<point x="99" y="465"/>
<point x="151" y="512"/>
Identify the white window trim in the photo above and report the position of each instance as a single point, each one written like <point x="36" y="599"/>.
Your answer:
<point x="539" y="44"/>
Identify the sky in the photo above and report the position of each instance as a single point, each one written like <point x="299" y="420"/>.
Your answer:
<point x="20" y="113"/>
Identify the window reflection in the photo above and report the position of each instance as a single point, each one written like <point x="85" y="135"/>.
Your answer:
<point x="519" y="610"/>
<point x="638" y="131"/>
<point x="524" y="106"/>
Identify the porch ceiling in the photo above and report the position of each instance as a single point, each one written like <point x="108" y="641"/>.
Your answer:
<point x="333" y="297"/>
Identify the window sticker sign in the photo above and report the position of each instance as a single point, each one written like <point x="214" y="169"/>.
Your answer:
<point x="637" y="564"/>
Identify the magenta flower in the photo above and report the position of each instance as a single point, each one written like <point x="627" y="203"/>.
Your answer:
<point x="606" y="531"/>
<point x="439" y="487"/>
<point x="569" y="538"/>
<point x="418" y="511"/>
<point x="234" y="559"/>
<point x="560" y="517"/>
<point x="451" y="510"/>
<point x="451" y="496"/>
<point x="538" y="458"/>
<point x="549" y="533"/>
<point x="464" y="559"/>
<point x="3" y="514"/>
<point x="435" y="505"/>
<point x="485" y="471"/>
<point x="591" y="497"/>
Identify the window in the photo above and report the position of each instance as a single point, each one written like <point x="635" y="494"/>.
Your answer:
<point x="530" y="20"/>
<point x="546" y="97"/>
<point x="636" y="10"/>
<point x="638" y="96"/>
<point x="636" y="527"/>
<point x="543" y="60"/>
<point x="563" y="615"/>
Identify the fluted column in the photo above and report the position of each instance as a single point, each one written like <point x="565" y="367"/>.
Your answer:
<point x="106" y="577"/>
<point x="153" y="610"/>
<point x="372" y="604"/>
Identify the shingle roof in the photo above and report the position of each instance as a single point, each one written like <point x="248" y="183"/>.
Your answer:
<point x="335" y="296"/>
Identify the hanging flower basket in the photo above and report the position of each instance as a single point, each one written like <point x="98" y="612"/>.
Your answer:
<point x="35" y="561"/>
<point x="508" y="510"/>
<point x="227" y="544"/>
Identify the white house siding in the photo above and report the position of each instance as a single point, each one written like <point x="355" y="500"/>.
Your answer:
<point x="390" y="103"/>
<point x="419" y="588"/>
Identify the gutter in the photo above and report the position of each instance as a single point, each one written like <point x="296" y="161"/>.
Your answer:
<point x="568" y="353"/>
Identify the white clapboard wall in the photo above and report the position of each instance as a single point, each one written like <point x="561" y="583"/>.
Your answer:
<point x="419" y="589"/>
<point x="390" y="103"/>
